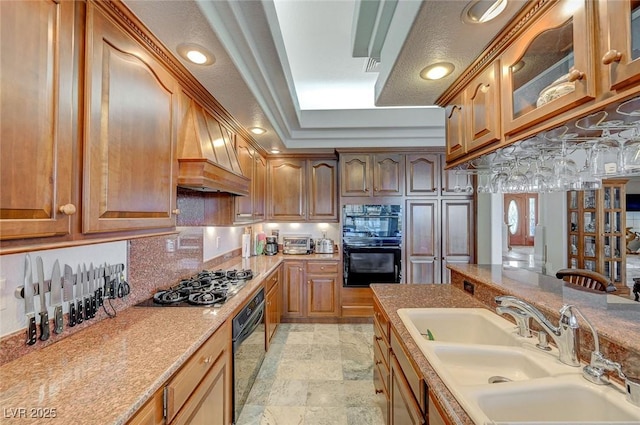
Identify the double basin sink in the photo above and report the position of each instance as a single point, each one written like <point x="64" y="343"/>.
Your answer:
<point x="501" y="378"/>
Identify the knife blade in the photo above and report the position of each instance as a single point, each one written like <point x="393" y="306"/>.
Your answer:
<point x="79" y="296"/>
<point x="44" y="314"/>
<point x="56" y="298"/>
<point x="29" y="305"/>
<point x="68" y="294"/>
<point x="86" y="311"/>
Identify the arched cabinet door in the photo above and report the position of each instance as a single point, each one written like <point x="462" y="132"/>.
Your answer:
<point x="130" y="133"/>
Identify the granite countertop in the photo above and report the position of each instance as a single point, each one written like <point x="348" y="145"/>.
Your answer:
<point x="391" y="298"/>
<point x="106" y="372"/>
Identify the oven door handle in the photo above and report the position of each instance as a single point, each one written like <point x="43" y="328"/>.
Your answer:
<point x="253" y="322"/>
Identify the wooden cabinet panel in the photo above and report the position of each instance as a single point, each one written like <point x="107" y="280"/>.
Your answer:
<point x="458" y="233"/>
<point x="388" y="175"/>
<point x="322" y="295"/>
<point x="292" y="291"/>
<point x="355" y="175"/>
<point x="403" y="409"/>
<point x="273" y="300"/>
<point x="422" y="241"/>
<point x="152" y="413"/>
<point x="37" y="130"/>
<point x="244" y="204"/>
<point x="323" y="199"/>
<point x="422" y="174"/>
<point x="455" y="128"/>
<point x="622" y="56"/>
<point x="287" y="190"/>
<point x="129" y="157"/>
<point x="259" y="184"/>
<point x="483" y="108"/>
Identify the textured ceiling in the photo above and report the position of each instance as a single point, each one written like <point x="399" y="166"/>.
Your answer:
<point x="262" y="63"/>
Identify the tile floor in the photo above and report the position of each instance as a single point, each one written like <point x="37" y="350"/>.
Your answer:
<point x="315" y="374"/>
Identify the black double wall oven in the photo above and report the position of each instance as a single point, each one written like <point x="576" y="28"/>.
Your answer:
<point x="371" y="244"/>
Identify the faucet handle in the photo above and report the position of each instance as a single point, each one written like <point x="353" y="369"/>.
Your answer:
<point x="596" y="370"/>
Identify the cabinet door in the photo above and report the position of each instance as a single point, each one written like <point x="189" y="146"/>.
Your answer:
<point x="37" y="129"/>
<point x="423" y="242"/>
<point x="355" y="175"/>
<point x="323" y="196"/>
<point x="623" y="57"/>
<point x="259" y="187"/>
<point x="244" y="204"/>
<point x="272" y="311"/>
<point x="458" y="232"/>
<point x="322" y="294"/>
<point x="422" y="174"/>
<point x="404" y="409"/>
<point x="483" y="108"/>
<point x="287" y="190"/>
<point x="549" y="68"/>
<point x="293" y="290"/>
<point x="129" y="157"/>
<point x="455" y="128"/>
<point x="388" y="175"/>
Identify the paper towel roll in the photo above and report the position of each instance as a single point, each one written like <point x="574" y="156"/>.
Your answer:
<point x="246" y="245"/>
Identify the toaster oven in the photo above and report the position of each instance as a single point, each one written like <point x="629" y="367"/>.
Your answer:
<point x="297" y="245"/>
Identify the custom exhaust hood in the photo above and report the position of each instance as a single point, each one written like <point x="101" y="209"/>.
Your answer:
<point x="207" y="161"/>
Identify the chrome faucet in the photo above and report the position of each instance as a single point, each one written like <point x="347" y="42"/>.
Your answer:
<point x="522" y="319"/>
<point x="565" y="335"/>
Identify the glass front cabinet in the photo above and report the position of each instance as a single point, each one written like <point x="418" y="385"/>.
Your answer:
<point x="597" y="230"/>
<point x="549" y="68"/>
<point x="623" y="55"/>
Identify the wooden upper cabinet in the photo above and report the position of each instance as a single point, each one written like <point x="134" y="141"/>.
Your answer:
<point x="287" y="191"/>
<point x="455" y="127"/>
<point x="244" y="204"/>
<point x="422" y="174"/>
<point x="130" y="133"/>
<point x="550" y="67"/>
<point x="259" y="185"/>
<point x="483" y="108"/>
<point x="623" y="54"/>
<point x="371" y="174"/>
<point x="37" y="130"/>
<point x="323" y="184"/>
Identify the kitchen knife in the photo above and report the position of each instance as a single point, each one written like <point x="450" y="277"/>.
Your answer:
<point x="99" y="284"/>
<point x="44" y="314"/>
<point x="68" y="294"/>
<point x="86" y="311"/>
<point x="79" y="294"/>
<point x="93" y="306"/>
<point x="29" y="306"/>
<point x="56" y="298"/>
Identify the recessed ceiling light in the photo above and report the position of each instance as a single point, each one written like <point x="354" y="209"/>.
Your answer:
<point x="257" y="130"/>
<point x="196" y="54"/>
<point x="481" y="11"/>
<point x="274" y="150"/>
<point x="437" y="71"/>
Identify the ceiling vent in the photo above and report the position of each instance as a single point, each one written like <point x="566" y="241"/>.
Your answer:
<point x="372" y="65"/>
<point x="372" y="19"/>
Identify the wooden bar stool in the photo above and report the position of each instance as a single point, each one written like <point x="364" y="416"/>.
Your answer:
<point x="587" y="279"/>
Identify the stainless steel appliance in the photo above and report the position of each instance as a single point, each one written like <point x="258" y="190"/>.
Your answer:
<point x="248" y="335"/>
<point x="324" y="246"/>
<point x="297" y="245"/>
<point x="271" y="248"/>
<point x="371" y="244"/>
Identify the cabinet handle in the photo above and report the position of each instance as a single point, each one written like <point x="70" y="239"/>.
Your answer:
<point x="611" y="56"/>
<point x="378" y="361"/>
<point x="308" y="282"/>
<point x="207" y="360"/>
<point x="68" y="209"/>
<point x="378" y="338"/>
<point x="575" y="75"/>
<point x="379" y="391"/>
<point x="321" y="267"/>
<point x="366" y="189"/>
<point x="176" y="211"/>
<point x="375" y="189"/>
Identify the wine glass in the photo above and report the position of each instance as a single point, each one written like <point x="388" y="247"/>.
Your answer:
<point x="457" y="188"/>
<point x="499" y="181"/>
<point x="469" y="187"/>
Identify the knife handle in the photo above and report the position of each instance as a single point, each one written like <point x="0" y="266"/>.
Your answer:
<point x="72" y="314"/>
<point x="87" y="308"/>
<point x="79" y="312"/>
<point x="57" y="319"/>
<point x="94" y="306"/>
<point x="31" y="330"/>
<point x="100" y="295"/>
<point x="44" y="326"/>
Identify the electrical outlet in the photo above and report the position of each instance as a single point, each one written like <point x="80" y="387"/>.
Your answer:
<point x="3" y="296"/>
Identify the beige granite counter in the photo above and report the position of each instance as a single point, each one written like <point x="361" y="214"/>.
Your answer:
<point x="104" y="373"/>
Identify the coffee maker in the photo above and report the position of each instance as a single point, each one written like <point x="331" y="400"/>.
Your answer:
<point x="271" y="248"/>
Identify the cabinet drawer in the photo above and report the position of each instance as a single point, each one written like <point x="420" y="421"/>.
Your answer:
<point x="322" y="267"/>
<point x="380" y="344"/>
<point x="381" y="321"/>
<point x="412" y="376"/>
<point x="185" y="381"/>
<point x="272" y="280"/>
<point x="381" y="362"/>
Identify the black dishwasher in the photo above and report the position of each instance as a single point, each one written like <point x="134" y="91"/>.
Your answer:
<point x="249" y="339"/>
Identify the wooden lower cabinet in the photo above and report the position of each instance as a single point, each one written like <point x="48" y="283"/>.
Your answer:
<point x="404" y="409"/>
<point x="274" y="303"/>
<point x="311" y="289"/>
<point x="201" y="391"/>
<point x="151" y="413"/>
